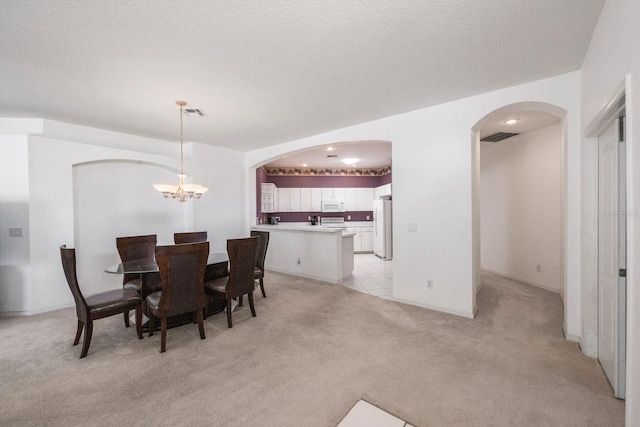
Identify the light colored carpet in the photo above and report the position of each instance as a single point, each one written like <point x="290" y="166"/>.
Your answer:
<point x="313" y="351"/>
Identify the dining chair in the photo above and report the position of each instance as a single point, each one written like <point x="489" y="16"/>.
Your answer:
<point x="260" y="257"/>
<point x="240" y="281"/>
<point x="193" y="237"/>
<point x="138" y="247"/>
<point x="97" y="306"/>
<point x="182" y="275"/>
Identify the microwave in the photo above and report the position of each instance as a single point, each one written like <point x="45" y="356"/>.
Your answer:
<point x="333" y="205"/>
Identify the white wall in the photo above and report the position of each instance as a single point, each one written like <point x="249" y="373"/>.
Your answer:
<point x="101" y="163"/>
<point x="520" y="197"/>
<point x="14" y="213"/>
<point x="432" y="152"/>
<point x="612" y="55"/>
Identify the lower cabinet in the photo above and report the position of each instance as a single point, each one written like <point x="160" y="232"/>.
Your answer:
<point x="366" y="236"/>
<point x="363" y="240"/>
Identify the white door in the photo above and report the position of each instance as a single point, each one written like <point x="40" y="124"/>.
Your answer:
<point x="611" y="258"/>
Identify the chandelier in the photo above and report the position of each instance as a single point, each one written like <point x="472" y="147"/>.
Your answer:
<point x="181" y="192"/>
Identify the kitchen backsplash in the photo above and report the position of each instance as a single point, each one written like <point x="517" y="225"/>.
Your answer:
<point x="304" y="216"/>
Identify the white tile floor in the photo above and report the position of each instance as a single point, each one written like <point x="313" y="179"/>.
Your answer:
<point x="364" y="414"/>
<point x="371" y="275"/>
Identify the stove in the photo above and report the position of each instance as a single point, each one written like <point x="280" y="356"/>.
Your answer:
<point x="333" y="222"/>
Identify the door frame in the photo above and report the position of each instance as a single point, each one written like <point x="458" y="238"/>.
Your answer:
<point x="589" y="237"/>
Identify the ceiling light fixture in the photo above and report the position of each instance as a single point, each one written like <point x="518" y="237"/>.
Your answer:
<point x="329" y="148"/>
<point x="511" y="121"/>
<point x="304" y="165"/>
<point x="350" y="161"/>
<point x="182" y="192"/>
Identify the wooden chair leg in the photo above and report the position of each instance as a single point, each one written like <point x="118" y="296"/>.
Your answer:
<point x="163" y="334"/>
<point x="126" y="318"/>
<point x="139" y="320"/>
<point x="240" y="301"/>
<point x="88" y="330"/>
<point x="78" y="332"/>
<point x="152" y="323"/>
<point x="229" y="313"/>
<point x="262" y="288"/>
<point x="199" y="319"/>
<point x="253" y="309"/>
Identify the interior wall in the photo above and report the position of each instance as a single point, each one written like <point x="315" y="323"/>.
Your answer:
<point x="433" y="189"/>
<point x="47" y="184"/>
<point x="14" y="213"/>
<point x="520" y="198"/>
<point x="612" y="60"/>
<point x="113" y="199"/>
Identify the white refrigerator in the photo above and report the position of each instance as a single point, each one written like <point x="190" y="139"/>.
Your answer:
<point x="382" y="235"/>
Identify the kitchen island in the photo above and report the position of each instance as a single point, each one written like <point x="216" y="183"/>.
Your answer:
<point x="309" y="251"/>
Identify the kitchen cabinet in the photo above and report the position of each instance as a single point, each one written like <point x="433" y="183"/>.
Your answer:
<point x="364" y="199"/>
<point x="268" y="198"/>
<point x="288" y="200"/>
<point x="310" y="199"/>
<point x="333" y="194"/>
<point x="358" y="199"/>
<point x="383" y="190"/>
<point x="350" y="202"/>
<point x="366" y="239"/>
<point x="363" y="239"/>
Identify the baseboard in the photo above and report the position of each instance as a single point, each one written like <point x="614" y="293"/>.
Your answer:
<point x="570" y="337"/>
<point x="537" y="285"/>
<point x="34" y="312"/>
<point x="467" y="314"/>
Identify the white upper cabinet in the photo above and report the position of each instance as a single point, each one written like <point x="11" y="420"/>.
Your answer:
<point x="294" y="200"/>
<point x="333" y="194"/>
<point x="310" y="199"/>
<point x="383" y="190"/>
<point x="364" y="199"/>
<point x="283" y="200"/>
<point x="268" y="198"/>
<point x="350" y="202"/>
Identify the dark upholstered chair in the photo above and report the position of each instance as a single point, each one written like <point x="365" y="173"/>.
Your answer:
<point x="182" y="271"/>
<point x="97" y="306"/>
<point x="242" y="263"/>
<point x="260" y="257"/>
<point x="194" y="237"/>
<point x="138" y="247"/>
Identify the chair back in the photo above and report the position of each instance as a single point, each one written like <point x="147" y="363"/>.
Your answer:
<point x="135" y="247"/>
<point x="194" y="237"/>
<point x="68" y="256"/>
<point x="262" y="247"/>
<point x="182" y="272"/>
<point x="242" y="264"/>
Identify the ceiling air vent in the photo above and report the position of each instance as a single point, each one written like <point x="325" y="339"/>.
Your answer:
<point x="499" y="136"/>
<point x="332" y="155"/>
<point x="193" y="112"/>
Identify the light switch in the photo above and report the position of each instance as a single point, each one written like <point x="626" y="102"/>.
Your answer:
<point x="413" y="228"/>
<point x="16" y="232"/>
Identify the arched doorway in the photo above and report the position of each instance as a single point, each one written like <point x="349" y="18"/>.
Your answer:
<point x="519" y="196"/>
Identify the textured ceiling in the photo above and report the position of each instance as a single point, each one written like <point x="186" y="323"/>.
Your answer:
<point x="276" y="70"/>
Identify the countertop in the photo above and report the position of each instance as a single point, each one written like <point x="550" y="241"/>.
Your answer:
<point x="302" y="227"/>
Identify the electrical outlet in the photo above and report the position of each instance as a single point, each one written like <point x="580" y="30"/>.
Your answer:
<point x="367" y="217"/>
<point x="413" y="228"/>
<point x="348" y="217"/>
<point x="538" y="268"/>
<point x="429" y="284"/>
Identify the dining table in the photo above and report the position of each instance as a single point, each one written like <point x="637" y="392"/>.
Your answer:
<point x="217" y="266"/>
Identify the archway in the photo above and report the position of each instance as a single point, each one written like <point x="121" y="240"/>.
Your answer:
<point x="519" y="196"/>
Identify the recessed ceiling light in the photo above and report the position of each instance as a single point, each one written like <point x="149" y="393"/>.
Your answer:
<point x="304" y="165"/>
<point x="329" y="148"/>
<point x="350" y="161"/>
<point x="511" y="121"/>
